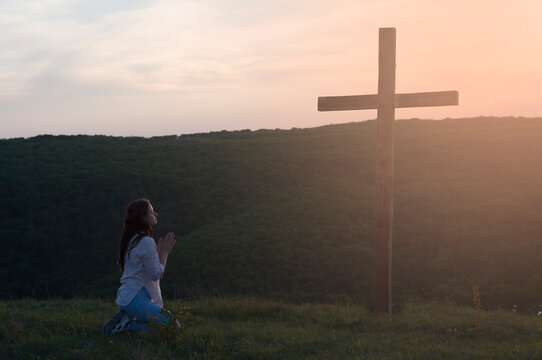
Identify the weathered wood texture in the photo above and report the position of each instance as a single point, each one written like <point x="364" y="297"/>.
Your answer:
<point x="350" y="102"/>
<point x="437" y="98"/>
<point x="384" y="172"/>
<point x="365" y="102"/>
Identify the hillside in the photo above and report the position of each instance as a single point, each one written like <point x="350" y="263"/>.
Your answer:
<point x="282" y="213"/>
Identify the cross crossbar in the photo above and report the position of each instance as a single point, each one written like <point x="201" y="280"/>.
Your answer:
<point x="364" y="102"/>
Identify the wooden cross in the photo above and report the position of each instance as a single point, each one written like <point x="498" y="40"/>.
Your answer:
<point x="385" y="101"/>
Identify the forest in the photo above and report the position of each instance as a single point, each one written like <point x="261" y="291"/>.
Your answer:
<point x="282" y="213"/>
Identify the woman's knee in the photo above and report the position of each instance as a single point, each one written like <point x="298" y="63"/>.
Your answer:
<point x="148" y="312"/>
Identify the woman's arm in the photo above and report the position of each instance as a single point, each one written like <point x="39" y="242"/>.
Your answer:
<point x="165" y="246"/>
<point x="151" y="261"/>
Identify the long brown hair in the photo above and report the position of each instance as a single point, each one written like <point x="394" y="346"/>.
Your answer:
<point x="134" y="223"/>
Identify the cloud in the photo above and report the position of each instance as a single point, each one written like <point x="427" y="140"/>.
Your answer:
<point x="156" y="46"/>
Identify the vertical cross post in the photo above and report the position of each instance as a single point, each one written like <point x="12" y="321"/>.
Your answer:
<point x="384" y="172"/>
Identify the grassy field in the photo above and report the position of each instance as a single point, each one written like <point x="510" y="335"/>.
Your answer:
<point x="246" y="328"/>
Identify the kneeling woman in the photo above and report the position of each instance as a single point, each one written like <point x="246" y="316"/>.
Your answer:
<point x="142" y="262"/>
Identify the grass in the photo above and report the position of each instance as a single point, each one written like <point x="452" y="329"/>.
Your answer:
<point x="248" y="328"/>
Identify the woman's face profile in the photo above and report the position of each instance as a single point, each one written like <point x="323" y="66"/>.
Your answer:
<point x="150" y="219"/>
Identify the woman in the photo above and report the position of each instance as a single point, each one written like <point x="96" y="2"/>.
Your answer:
<point x="142" y="262"/>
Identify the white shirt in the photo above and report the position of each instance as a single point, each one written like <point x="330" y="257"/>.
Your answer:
<point x="142" y="268"/>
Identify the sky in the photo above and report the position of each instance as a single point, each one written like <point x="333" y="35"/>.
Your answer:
<point x="171" y="67"/>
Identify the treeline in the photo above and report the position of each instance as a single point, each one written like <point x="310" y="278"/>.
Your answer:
<point x="282" y="213"/>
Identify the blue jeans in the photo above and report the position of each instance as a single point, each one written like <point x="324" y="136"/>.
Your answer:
<point x="140" y="309"/>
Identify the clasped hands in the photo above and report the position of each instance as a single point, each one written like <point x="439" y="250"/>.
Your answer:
<point x="166" y="244"/>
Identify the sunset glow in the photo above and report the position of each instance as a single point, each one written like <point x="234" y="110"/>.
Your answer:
<point x="162" y="67"/>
